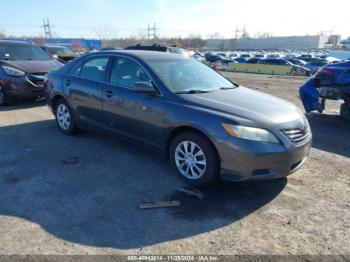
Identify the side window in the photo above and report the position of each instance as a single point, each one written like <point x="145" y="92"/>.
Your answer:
<point x="75" y="70"/>
<point x="126" y="72"/>
<point x="94" y="69"/>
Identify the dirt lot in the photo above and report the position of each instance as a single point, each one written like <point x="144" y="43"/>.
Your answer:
<point x="80" y="195"/>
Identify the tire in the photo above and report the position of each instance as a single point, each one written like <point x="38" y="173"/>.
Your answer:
<point x="201" y="165"/>
<point x="64" y="117"/>
<point x="5" y="99"/>
<point x="345" y="111"/>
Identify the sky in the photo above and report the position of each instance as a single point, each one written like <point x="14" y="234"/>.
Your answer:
<point x="173" y="18"/>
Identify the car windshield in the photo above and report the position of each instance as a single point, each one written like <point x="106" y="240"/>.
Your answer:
<point x="181" y="75"/>
<point x="60" y="51"/>
<point x="22" y="52"/>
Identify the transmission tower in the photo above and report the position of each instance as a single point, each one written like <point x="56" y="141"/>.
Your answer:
<point x="152" y="31"/>
<point x="241" y="33"/>
<point x="47" y="28"/>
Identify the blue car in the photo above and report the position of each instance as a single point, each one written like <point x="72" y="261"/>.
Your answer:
<point x="331" y="82"/>
<point x="240" y="60"/>
<point x="316" y="64"/>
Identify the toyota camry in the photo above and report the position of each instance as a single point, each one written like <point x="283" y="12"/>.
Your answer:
<point x="208" y="126"/>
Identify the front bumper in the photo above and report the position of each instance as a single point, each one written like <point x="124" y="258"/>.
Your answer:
<point x="243" y="160"/>
<point x="22" y="87"/>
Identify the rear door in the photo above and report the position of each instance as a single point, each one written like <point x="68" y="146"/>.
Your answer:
<point x="84" y="84"/>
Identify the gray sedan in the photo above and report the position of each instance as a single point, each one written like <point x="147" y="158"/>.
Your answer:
<point x="208" y="126"/>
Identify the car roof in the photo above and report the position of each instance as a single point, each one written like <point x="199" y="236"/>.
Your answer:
<point x="144" y="55"/>
<point x="14" y="42"/>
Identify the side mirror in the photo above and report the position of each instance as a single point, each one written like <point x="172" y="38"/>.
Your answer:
<point x="144" y="87"/>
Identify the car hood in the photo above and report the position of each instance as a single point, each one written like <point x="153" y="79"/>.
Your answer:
<point x="34" y="66"/>
<point x="247" y="104"/>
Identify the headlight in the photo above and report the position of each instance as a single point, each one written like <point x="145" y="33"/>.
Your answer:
<point x="12" y="71"/>
<point x="251" y="133"/>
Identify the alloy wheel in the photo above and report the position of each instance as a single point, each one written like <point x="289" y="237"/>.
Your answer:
<point x="190" y="160"/>
<point x="63" y="116"/>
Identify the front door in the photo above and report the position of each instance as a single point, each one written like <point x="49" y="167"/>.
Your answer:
<point x="134" y="115"/>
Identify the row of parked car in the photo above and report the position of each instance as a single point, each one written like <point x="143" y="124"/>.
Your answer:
<point x="309" y="64"/>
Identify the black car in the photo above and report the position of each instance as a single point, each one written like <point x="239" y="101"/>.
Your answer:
<point x="253" y="61"/>
<point x="306" y="57"/>
<point x="159" y="48"/>
<point x="60" y="53"/>
<point x="207" y="125"/>
<point x="22" y="70"/>
<point x="275" y="61"/>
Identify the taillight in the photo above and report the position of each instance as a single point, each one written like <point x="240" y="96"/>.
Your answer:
<point x="326" y="72"/>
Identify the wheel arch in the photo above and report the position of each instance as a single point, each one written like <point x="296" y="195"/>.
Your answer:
<point x="182" y="129"/>
<point x="56" y="98"/>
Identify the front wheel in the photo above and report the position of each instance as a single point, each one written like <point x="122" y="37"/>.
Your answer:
<point x="5" y="99"/>
<point x="64" y="117"/>
<point x="194" y="159"/>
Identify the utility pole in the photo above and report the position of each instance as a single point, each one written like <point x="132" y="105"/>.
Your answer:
<point x="47" y="28"/>
<point x="152" y="32"/>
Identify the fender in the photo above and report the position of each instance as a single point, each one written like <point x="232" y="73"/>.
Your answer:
<point x="310" y="96"/>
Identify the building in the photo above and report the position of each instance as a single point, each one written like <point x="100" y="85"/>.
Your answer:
<point x="273" y="43"/>
<point x="83" y="44"/>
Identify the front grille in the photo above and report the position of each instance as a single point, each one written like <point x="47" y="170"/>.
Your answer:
<point x="298" y="135"/>
<point x="36" y="79"/>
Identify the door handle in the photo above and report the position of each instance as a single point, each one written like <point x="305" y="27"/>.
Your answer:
<point x="67" y="82"/>
<point x="108" y="93"/>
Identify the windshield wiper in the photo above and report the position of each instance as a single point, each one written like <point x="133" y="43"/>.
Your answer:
<point x="192" y="91"/>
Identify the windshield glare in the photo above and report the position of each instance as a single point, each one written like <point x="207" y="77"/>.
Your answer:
<point x="188" y="74"/>
<point x="22" y="52"/>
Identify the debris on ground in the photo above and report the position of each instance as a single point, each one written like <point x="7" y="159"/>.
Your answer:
<point x="70" y="161"/>
<point x="159" y="204"/>
<point x="190" y="192"/>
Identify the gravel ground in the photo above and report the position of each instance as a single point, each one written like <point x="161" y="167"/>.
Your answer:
<point x="79" y="195"/>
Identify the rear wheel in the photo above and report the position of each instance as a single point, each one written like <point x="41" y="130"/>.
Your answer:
<point x="194" y="159"/>
<point x="64" y="117"/>
<point x="345" y="111"/>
